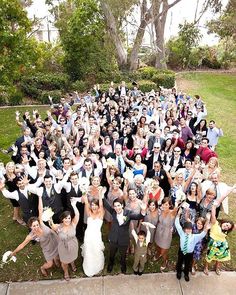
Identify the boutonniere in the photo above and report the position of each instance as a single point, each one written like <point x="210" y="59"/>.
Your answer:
<point x="125" y="218"/>
<point x="162" y="176"/>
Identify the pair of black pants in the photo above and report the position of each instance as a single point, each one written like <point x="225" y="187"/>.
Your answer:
<point x="122" y="250"/>
<point x="186" y="259"/>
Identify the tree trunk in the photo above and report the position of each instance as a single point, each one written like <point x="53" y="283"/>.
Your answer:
<point x="121" y="52"/>
<point x="159" y="24"/>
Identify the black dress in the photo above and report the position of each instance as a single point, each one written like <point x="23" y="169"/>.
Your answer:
<point x="11" y="186"/>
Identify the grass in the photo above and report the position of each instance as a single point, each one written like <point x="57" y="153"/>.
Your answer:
<point x="219" y="93"/>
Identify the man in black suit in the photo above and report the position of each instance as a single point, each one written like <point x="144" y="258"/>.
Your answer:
<point x="118" y="157"/>
<point x="119" y="233"/>
<point x="160" y="174"/>
<point x="155" y="155"/>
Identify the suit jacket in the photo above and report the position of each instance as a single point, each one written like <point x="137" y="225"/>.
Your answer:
<point x="119" y="234"/>
<point x="113" y="156"/>
<point x="152" y="140"/>
<point x="149" y="161"/>
<point x="163" y="180"/>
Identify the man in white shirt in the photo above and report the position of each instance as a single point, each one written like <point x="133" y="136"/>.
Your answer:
<point x="213" y="134"/>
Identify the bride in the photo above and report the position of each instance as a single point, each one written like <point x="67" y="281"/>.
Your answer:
<point x="92" y="249"/>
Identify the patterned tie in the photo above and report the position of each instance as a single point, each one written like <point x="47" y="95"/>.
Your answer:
<point x="185" y="250"/>
<point x="187" y="174"/>
<point x="119" y="164"/>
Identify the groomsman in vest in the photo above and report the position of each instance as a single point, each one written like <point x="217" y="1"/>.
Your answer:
<point x="73" y="191"/>
<point x="23" y="196"/>
<point x="89" y="170"/>
<point x="51" y="195"/>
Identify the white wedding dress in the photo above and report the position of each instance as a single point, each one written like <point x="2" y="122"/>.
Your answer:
<point x="93" y="247"/>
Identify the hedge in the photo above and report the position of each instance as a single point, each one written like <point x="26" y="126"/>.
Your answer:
<point x="33" y="86"/>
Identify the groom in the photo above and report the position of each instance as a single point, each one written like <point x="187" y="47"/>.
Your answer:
<point x="119" y="233"/>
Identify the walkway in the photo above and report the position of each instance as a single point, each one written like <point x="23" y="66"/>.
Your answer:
<point x="149" y="284"/>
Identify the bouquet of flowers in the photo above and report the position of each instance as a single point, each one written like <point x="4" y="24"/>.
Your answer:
<point x="6" y="255"/>
<point x="180" y="196"/>
<point x="47" y="214"/>
<point x="84" y="185"/>
<point x="128" y="174"/>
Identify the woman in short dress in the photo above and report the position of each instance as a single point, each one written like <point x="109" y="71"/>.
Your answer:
<point x="47" y="239"/>
<point x="163" y="236"/>
<point x="218" y="248"/>
<point x="67" y="241"/>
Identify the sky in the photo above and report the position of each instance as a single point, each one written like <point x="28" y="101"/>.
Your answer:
<point x="184" y="10"/>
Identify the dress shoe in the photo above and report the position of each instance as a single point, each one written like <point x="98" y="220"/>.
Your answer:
<point x="123" y="270"/>
<point x="136" y="272"/>
<point x="178" y="275"/>
<point x="140" y="273"/>
<point x="186" y="277"/>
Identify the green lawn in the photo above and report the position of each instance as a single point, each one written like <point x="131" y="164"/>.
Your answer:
<point x="219" y="93"/>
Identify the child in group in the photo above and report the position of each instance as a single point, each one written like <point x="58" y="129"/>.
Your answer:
<point x="188" y="241"/>
<point x="140" y="253"/>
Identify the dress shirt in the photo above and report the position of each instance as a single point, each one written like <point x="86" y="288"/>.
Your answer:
<point x="193" y="239"/>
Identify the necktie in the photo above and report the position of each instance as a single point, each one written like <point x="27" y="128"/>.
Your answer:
<point x="215" y="189"/>
<point x="185" y="249"/>
<point x="119" y="164"/>
<point x="187" y="174"/>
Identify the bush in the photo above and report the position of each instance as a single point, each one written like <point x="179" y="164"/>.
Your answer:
<point x="55" y="94"/>
<point x="10" y="95"/>
<point x="80" y="86"/>
<point x="33" y="86"/>
<point x="164" y="80"/>
<point x="15" y="98"/>
<point x="147" y="86"/>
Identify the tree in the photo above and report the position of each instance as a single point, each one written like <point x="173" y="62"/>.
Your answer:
<point x="225" y="28"/>
<point x="83" y="39"/>
<point x="180" y="48"/>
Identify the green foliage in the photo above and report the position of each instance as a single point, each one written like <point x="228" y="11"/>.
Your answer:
<point x="180" y="48"/>
<point x="10" y="95"/>
<point x="164" y="80"/>
<point x="88" y="52"/>
<point x="55" y="94"/>
<point x="160" y="77"/>
<point x="225" y="28"/>
<point x="210" y="59"/>
<point x="80" y="86"/>
<point x="147" y="86"/>
<point x="17" y="53"/>
<point x="33" y="86"/>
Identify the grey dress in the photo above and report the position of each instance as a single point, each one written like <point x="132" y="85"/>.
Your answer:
<point x="68" y="244"/>
<point x="163" y="236"/>
<point x="48" y="242"/>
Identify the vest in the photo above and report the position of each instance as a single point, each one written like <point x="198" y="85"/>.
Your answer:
<point x="54" y="200"/>
<point x="139" y="251"/>
<point x="27" y="206"/>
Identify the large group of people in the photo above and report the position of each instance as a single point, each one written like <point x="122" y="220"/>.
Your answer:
<point x="142" y="165"/>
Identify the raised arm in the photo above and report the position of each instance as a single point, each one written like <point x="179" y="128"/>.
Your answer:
<point x="75" y="220"/>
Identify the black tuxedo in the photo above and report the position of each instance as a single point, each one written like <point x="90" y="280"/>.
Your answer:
<point x="119" y="235"/>
<point x="118" y="141"/>
<point x="163" y="180"/>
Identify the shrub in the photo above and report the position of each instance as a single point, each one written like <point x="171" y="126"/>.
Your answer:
<point x="164" y="80"/>
<point x="33" y="86"/>
<point x="80" y="86"/>
<point x="15" y="97"/>
<point x="10" y="95"/>
<point x="55" y="94"/>
<point x="147" y="86"/>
